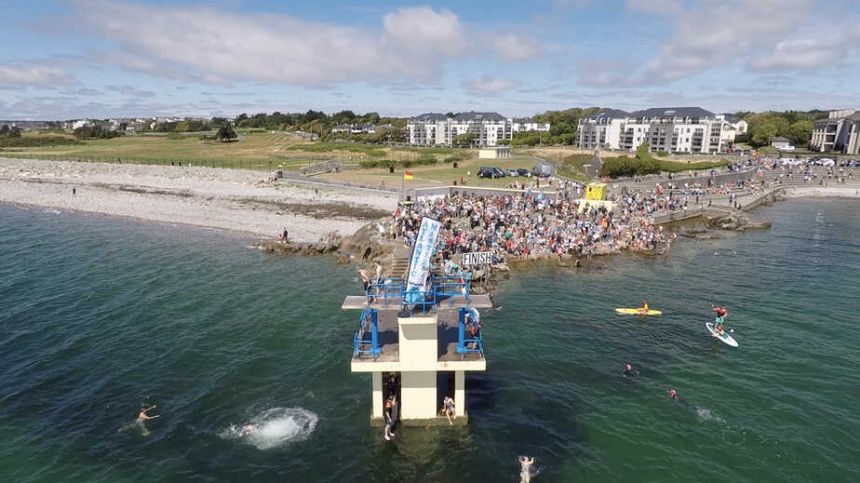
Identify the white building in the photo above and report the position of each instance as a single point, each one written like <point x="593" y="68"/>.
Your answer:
<point x="525" y="124"/>
<point x="852" y="145"/>
<point x="496" y="152"/>
<point x="781" y="143"/>
<point x="360" y="128"/>
<point x="601" y="130"/>
<point x="832" y="134"/>
<point x="671" y="130"/>
<point x="488" y="128"/>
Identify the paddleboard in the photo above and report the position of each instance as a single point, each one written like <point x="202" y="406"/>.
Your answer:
<point x="725" y="337"/>
<point x="637" y="312"/>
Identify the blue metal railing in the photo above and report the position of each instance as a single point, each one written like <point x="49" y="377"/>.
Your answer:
<point x="447" y="286"/>
<point x="471" y="345"/>
<point x="361" y="345"/>
<point x="394" y="289"/>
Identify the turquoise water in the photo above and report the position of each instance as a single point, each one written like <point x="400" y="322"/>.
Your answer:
<point x="99" y="315"/>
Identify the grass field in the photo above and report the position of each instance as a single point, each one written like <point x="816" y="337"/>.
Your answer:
<point x="254" y="150"/>
<point x="442" y="174"/>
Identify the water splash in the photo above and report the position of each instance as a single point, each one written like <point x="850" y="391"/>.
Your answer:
<point x="705" y="414"/>
<point x="275" y="427"/>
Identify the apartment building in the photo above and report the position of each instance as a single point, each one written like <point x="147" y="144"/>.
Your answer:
<point x="601" y="130"/>
<point x="488" y="128"/>
<point x="669" y="129"/>
<point x="833" y="133"/>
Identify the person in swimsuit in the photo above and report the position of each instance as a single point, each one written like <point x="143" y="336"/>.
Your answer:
<point x="248" y="428"/>
<point x="142" y="417"/>
<point x="365" y="280"/>
<point x="448" y="408"/>
<point x="525" y="468"/>
<point x="386" y="416"/>
<point x="673" y="394"/>
<point x="628" y="370"/>
<point x="644" y="308"/>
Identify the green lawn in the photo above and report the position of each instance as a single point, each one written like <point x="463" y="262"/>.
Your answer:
<point x="441" y="174"/>
<point x="253" y="151"/>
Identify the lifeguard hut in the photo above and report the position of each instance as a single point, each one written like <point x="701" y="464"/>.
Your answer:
<point x="417" y="344"/>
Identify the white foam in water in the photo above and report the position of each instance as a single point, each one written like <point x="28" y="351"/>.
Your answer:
<point x="706" y="415"/>
<point x="275" y="427"/>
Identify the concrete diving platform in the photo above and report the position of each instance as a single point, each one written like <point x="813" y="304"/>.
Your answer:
<point x="358" y="302"/>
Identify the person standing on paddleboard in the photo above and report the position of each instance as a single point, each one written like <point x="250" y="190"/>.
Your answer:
<point x="721" y="312"/>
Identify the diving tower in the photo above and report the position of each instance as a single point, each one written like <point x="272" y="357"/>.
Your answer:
<point x="414" y="348"/>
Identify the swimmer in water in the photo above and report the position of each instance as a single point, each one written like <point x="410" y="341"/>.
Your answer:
<point x="142" y="417"/>
<point x="628" y="370"/>
<point x="248" y="428"/>
<point x="673" y="394"/>
<point x="525" y="468"/>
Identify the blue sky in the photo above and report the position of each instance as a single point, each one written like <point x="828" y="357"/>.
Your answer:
<point x="71" y="59"/>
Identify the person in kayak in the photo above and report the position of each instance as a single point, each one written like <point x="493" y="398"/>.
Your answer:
<point x="644" y="308"/>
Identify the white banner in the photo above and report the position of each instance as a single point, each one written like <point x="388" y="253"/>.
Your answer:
<point x="476" y="258"/>
<point x="419" y="266"/>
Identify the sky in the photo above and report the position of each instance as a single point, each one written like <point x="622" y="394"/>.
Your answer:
<point x="67" y="59"/>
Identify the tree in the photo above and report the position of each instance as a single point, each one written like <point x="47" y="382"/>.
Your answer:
<point x="466" y="138"/>
<point x="4" y="130"/>
<point x="800" y="132"/>
<point x="226" y="134"/>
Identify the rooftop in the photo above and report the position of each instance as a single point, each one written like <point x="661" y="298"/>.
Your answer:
<point x="673" y="112"/>
<point x="608" y="114"/>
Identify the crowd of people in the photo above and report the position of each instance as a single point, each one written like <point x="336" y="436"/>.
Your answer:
<point x="532" y="225"/>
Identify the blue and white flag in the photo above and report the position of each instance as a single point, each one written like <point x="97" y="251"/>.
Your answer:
<point x="419" y="266"/>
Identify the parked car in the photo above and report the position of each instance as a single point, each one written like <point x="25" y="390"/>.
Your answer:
<point x="490" y="172"/>
<point x="524" y="172"/>
<point x="542" y="170"/>
<point x="512" y="173"/>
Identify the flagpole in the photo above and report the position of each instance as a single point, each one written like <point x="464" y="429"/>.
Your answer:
<point x="402" y="184"/>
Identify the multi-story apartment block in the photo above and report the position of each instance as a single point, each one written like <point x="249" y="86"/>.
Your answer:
<point x="852" y="146"/>
<point x="673" y="130"/>
<point x="488" y="128"/>
<point x="832" y="134"/>
<point x="601" y="130"/>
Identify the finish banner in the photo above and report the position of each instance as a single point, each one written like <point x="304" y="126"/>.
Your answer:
<point x="419" y="265"/>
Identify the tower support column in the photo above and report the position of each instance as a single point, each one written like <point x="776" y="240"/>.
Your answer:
<point x="460" y="393"/>
<point x="377" y="394"/>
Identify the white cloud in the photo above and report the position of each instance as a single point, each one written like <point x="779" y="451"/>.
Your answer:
<point x="219" y="46"/>
<point x="799" y="54"/>
<point x="487" y="85"/>
<point x="516" y="47"/>
<point x="720" y="32"/>
<point x="130" y="91"/>
<point x="424" y="30"/>
<point x="655" y="7"/>
<point x="32" y="74"/>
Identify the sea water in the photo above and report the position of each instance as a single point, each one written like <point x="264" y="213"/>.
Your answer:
<point x="99" y="316"/>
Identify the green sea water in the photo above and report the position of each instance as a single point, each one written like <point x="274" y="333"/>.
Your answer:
<point x="99" y="315"/>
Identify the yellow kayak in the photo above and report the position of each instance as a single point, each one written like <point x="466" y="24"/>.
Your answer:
<point x="638" y="312"/>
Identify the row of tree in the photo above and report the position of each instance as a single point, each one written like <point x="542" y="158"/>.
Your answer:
<point x="10" y="132"/>
<point x="793" y="125"/>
